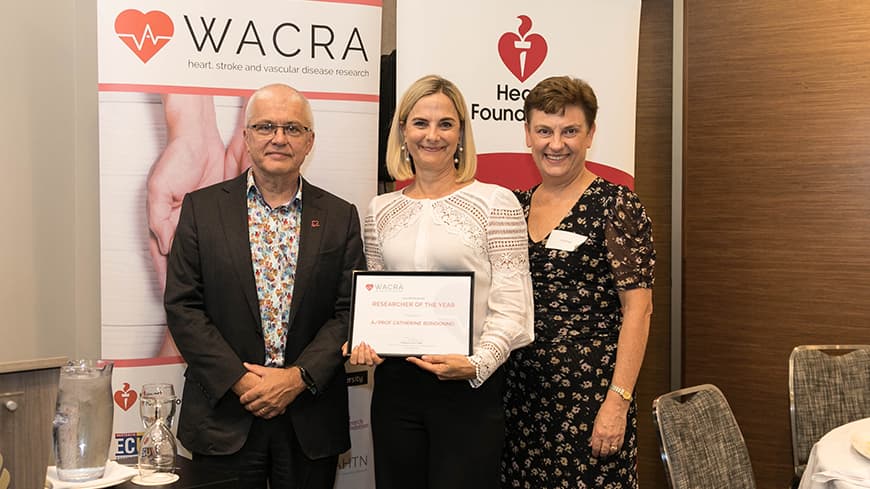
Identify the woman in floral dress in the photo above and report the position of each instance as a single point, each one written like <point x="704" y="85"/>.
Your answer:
<point x="570" y="408"/>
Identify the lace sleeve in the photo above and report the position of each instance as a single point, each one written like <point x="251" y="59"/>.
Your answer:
<point x="372" y="242"/>
<point x="629" y="240"/>
<point x="510" y="318"/>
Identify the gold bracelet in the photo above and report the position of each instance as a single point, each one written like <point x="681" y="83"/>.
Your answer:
<point x="621" y="391"/>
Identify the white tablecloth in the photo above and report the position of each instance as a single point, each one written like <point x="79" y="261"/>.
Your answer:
<point x="834" y="464"/>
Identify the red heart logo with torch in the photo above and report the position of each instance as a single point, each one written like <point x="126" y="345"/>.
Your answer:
<point x="125" y="398"/>
<point x="523" y="54"/>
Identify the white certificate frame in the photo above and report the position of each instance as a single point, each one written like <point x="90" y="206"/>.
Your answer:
<point x="402" y="314"/>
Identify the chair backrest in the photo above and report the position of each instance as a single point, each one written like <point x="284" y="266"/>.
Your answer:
<point x="700" y="442"/>
<point x="828" y="385"/>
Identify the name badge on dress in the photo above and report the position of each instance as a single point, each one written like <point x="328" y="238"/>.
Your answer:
<point x="564" y="240"/>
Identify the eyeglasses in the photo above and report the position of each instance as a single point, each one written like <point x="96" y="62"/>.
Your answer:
<point x="268" y="129"/>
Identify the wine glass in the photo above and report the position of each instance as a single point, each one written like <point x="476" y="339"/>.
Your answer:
<point x="158" y="401"/>
<point x="157" y="450"/>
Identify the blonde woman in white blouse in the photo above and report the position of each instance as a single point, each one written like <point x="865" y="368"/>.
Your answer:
<point x="438" y="420"/>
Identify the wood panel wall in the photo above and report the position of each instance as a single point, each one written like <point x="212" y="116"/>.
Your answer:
<point x="653" y="185"/>
<point x="776" y="200"/>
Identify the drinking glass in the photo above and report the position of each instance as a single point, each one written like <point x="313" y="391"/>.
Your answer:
<point x="82" y="427"/>
<point x="158" y="449"/>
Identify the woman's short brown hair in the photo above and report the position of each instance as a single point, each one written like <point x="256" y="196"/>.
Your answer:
<point x="552" y="95"/>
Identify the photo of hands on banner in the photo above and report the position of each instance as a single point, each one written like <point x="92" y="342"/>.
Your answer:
<point x="195" y="156"/>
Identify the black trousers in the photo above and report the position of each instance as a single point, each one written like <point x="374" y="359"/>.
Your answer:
<point x="272" y="453"/>
<point x="433" y="434"/>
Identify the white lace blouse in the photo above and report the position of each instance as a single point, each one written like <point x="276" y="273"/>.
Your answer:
<point x="481" y="228"/>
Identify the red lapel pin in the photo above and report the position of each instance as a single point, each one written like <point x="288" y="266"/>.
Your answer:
<point x="315" y="223"/>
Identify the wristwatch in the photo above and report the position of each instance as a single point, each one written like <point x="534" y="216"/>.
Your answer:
<point x="622" y="392"/>
<point x="306" y="377"/>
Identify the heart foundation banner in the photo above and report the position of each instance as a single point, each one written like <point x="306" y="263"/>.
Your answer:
<point x="174" y="77"/>
<point x="496" y="51"/>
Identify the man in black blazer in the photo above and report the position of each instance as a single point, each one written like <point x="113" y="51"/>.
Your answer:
<point x="257" y="300"/>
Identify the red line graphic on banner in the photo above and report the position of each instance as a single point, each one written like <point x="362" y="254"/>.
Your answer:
<point x="373" y="3"/>
<point x="517" y="171"/>
<point x="229" y="92"/>
<point x="146" y="362"/>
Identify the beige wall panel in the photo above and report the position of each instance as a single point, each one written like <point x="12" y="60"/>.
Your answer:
<point x="38" y="133"/>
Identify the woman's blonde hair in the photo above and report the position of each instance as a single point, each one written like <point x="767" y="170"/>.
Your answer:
<point x="402" y="169"/>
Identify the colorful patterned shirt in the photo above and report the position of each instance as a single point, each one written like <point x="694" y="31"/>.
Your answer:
<point x="274" y="238"/>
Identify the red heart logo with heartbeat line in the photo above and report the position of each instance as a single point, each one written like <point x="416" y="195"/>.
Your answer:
<point x="369" y="286"/>
<point x="522" y="54"/>
<point x="125" y="398"/>
<point x="144" y="34"/>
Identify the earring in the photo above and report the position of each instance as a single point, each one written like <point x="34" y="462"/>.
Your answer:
<point x="456" y="156"/>
<point x="405" y="154"/>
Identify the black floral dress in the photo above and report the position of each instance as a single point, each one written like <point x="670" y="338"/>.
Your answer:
<point x="556" y="385"/>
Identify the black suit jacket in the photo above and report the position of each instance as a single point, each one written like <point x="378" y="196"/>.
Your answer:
<point x="213" y="313"/>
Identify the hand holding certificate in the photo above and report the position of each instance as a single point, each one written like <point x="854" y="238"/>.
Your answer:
<point x="412" y="313"/>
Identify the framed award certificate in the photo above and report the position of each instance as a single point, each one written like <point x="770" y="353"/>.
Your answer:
<point x="412" y="313"/>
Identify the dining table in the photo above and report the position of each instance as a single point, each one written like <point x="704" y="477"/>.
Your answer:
<point x="840" y="459"/>
<point x="120" y="475"/>
<point x="190" y="477"/>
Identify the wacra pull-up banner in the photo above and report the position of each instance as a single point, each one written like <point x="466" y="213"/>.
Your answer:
<point x="173" y="80"/>
<point x="496" y="51"/>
